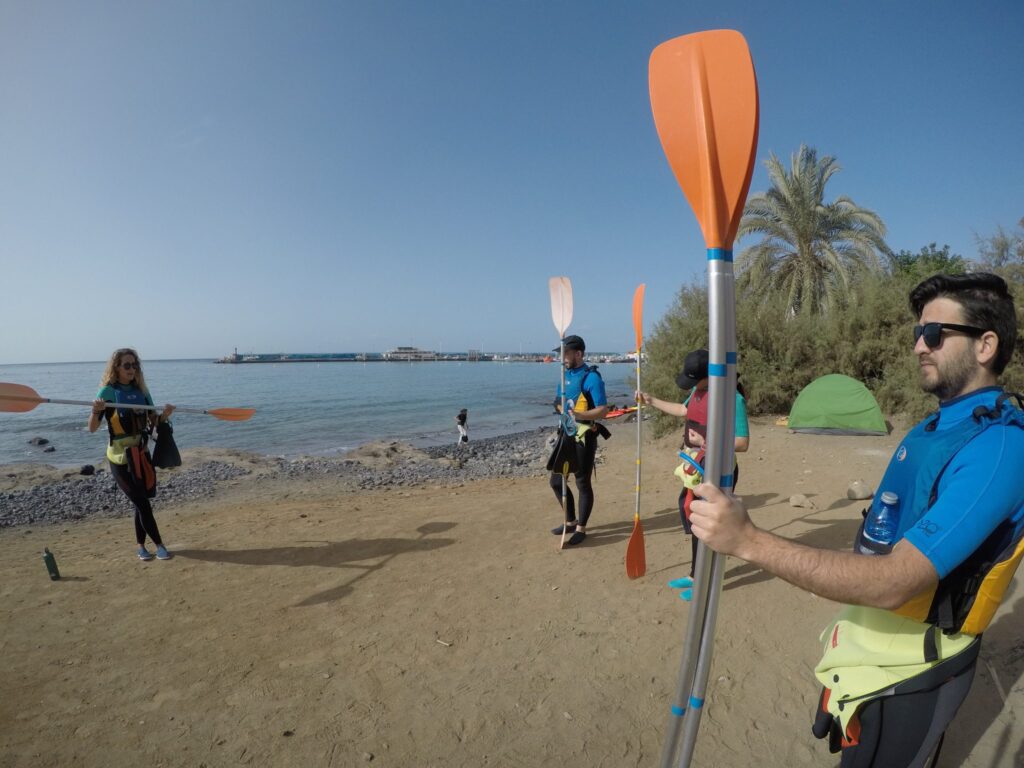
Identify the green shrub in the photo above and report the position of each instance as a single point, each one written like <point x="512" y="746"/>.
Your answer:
<point x="868" y="337"/>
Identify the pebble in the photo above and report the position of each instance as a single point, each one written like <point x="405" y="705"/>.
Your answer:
<point x="97" y="496"/>
<point x="801" y="501"/>
<point x="858" y="489"/>
<point x="522" y="454"/>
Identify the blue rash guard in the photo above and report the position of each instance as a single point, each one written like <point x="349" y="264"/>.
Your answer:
<point x="592" y="386"/>
<point x="980" y="488"/>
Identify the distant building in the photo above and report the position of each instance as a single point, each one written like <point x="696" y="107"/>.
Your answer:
<point x="409" y="354"/>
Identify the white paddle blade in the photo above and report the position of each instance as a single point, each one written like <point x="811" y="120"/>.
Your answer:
<point x="561" y="303"/>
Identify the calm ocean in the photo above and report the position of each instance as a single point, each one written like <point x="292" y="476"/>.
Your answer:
<point x="301" y="408"/>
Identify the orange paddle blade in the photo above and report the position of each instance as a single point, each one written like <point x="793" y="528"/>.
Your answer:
<point x="232" y="414"/>
<point x="561" y="303"/>
<point x="638" y="314"/>
<point x="704" y="99"/>
<point x="636" y="558"/>
<point x="17" y="398"/>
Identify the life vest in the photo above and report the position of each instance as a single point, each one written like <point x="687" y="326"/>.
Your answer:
<point x="696" y="417"/>
<point x="583" y="402"/>
<point x="967" y="598"/>
<point x="127" y="427"/>
<point x="125" y="422"/>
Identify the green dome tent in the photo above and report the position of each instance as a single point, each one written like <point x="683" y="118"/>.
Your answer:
<point x="836" y="405"/>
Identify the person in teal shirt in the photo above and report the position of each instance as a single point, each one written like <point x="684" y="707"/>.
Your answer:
<point x="693" y="379"/>
<point x="123" y="383"/>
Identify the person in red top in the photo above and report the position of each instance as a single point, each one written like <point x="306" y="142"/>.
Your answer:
<point x="694" y="408"/>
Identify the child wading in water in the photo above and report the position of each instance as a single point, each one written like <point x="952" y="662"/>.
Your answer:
<point x="693" y="379"/>
<point x="460" y="422"/>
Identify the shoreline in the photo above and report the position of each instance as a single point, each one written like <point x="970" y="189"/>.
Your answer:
<point x="35" y="494"/>
<point x="427" y="441"/>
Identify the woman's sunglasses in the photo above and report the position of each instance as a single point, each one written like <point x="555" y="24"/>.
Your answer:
<point x="130" y="366"/>
<point x="932" y="332"/>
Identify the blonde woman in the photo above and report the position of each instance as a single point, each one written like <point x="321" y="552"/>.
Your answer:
<point x="124" y="383"/>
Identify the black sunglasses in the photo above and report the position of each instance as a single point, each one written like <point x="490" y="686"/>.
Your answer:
<point x="130" y="366"/>
<point x="932" y="332"/>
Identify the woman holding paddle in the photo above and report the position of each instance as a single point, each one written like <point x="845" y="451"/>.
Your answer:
<point x="694" y="380"/>
<point x="124" y="384"/>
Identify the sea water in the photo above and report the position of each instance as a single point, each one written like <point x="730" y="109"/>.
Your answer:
<point x="301" y="408"/>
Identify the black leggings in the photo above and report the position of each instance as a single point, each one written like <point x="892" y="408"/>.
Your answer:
<point x="145" y="523"/>
<point x="686" y="523"/>
<point x="585" y="453"/>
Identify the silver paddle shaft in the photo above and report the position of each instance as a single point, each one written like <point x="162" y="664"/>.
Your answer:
<point x="695" y="668"/>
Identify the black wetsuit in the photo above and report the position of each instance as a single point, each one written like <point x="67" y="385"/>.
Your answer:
<point x="145" y="523"/>
<point x="585" y="452"/>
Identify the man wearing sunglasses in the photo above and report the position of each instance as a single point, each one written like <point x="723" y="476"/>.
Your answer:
<point x="900" y="658"/>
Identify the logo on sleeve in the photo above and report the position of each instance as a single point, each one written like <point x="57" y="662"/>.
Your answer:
<point x="927" y="527"/>
<point x="901" y="454"/>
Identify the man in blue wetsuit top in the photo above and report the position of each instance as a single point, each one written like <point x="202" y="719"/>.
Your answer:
<point x="586" y="400"/>
<point x="899" y="659"/>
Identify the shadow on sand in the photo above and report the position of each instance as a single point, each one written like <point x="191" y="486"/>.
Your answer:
<point x="330" y="554"/>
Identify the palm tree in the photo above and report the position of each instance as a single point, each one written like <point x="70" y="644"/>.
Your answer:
<point x="811" y="250"/>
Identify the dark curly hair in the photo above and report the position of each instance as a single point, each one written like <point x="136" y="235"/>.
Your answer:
<point x="986" y="303"/>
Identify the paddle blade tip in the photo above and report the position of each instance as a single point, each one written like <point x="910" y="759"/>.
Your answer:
<point x="704" y="99"/>
<point x="636" y="558"/>
<point x="232" y="414"/>
<point x="17" y="398"/>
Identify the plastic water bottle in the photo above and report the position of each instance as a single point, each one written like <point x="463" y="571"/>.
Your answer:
<point x="882" y="525"/>
<point x="569" y="418"/>
<point x="51" y="564"/>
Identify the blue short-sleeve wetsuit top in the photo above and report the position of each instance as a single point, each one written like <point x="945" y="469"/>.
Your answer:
<point x="593" y="386"/>
<point x="980" y="488"/>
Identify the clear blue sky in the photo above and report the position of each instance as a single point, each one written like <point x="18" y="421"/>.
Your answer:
<point x="188" y="177"/>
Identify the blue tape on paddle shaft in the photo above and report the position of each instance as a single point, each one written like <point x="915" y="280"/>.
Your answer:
<point x="726" y="481"/>
<point x="696" y="703"/>
<point x="717" y="370"/>
<point x="678" y="711"/>
<point x="719" y="254"/>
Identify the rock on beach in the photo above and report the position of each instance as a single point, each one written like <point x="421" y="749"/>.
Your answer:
<point x="76" y="495"/>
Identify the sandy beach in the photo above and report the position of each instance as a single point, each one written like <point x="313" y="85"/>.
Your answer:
<point x="308" y="622"/>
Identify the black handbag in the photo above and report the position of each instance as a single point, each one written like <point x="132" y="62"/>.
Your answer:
<point x="165" y="452"/>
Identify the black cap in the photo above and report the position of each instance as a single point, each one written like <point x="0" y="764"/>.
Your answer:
<point x="572" y="342"/>
<point x="695" y="368"/>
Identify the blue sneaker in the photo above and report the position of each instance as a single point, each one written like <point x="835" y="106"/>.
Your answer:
<point x="145" y="555"/>
<point x="685" y="584"/>
<point x="162" y="553"/>
<point x="682" y="583"/>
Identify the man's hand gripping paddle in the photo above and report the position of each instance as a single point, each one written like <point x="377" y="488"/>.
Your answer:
<point x="17" y="398"/>
<point x="561" y="314"/>
<point x="704" y="100"/>
<point x="636" y="558"/>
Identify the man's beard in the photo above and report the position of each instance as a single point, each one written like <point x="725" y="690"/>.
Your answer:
<point x="951" y="377"/>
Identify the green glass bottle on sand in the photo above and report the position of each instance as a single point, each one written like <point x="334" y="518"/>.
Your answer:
<point x="51" y="564"/>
